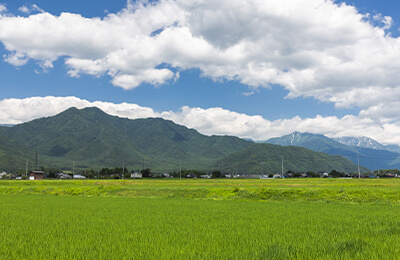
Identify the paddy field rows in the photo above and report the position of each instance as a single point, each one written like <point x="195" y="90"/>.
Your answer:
<point x="200" y="219"/>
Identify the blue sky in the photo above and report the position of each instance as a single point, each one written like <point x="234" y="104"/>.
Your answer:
<point x="190" y="90"/>
<point x="185" y="86"/>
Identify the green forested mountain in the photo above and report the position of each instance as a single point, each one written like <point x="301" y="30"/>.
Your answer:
<point x="267" y="158"/>
<point x="90" y="138"/>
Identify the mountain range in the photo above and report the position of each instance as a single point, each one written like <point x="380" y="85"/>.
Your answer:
<point x="366" y="142"/>
<point x="90" y="138"/>
<point x="364" y="150"/>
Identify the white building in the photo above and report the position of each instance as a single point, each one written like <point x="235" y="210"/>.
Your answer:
<point x="136" y="175"/>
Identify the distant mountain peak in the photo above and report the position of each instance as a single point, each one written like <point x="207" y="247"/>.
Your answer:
<point x="360" y="141"/>
<point x="370" y="153"/>
<point x="296" y="137"/>
<point x="85" y="109"/>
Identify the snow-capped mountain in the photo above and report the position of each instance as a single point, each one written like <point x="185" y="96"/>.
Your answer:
<point x="360" y="141"/>
<point x="366" y="142"/>
<point x="298" y="139"/>
<point x="369" y="152"/>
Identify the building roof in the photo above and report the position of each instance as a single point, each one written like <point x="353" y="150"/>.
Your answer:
<point x="37" y="172"/>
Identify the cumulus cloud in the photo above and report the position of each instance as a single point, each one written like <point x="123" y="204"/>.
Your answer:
<point x="24" y="9"/>
<point x="256" y="42"/>
<point x="16" y="59"/>
<point x="119" y="44"/>
<point x="211" y="121"/>
<point x="313" y="48"/>
<point x="387" y="21"/>
<point x="3" y="8"/>
<point x="16" y="111"/>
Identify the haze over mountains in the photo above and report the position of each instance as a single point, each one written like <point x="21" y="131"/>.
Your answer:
<point x="370" y="153"/>
<point x="90" y="138"/>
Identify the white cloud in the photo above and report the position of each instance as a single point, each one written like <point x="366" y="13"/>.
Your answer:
<point x="30" y="9"/>
<point x="387" y="21"/>
<point x="312" y="48"/>
<point x="212" y="121"/>
<point x="16" y="111"/>
<point x="16" y="59"/>
<point x="152" y="76"/>
<point x="78" y="66"/>
<point x="3" y="8"/>
<point x="24" y="9"/>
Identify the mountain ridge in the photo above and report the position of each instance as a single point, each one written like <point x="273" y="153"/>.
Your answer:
<point x="90" y="138"/>
<point x="366" y="142"/>
<point x="374" y="159"/>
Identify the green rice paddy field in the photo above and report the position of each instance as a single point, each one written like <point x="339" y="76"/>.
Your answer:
<point x="200" y="219"/>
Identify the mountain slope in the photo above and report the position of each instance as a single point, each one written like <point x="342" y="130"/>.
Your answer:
<point x="366" y="142"/>
<point x="91" y="137"/>
<point x="313" y="142"/>
<point x="267" y="158"/>
<point x="370" y="158"/>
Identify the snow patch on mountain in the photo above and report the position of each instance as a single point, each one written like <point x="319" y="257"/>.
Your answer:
<point x="361" y="141"/>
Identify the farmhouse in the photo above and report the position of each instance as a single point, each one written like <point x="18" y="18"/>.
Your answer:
<point x="36" y="175"/>
<point x="64" y="176"/>
<point x="136" y="175"/>
<point x="78" y="176"/>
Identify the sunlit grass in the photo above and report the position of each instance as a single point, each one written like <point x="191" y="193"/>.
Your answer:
<point x="295" y="190"/>
<point x="81" y="227"/>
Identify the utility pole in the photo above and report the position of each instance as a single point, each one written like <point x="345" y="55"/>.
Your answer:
<point x="282" y="168"/>
<point x="180" y="169"/>
<point x="143" y="164"/>
<point x="123" y="168"/>
<point x="26" y="168"/>
<point x="73" y="170"/>
<point x="358" y="160"/>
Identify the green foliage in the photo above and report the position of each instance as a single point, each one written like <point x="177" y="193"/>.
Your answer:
<point x="312" y="174"/>
<point x="216" y="174"/>
<point x="146" y="173"/>
<point x="267" y="158"/>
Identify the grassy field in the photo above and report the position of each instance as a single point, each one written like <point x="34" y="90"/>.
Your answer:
<point x="200" y="219"/>
<point x="295" y="190"/>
